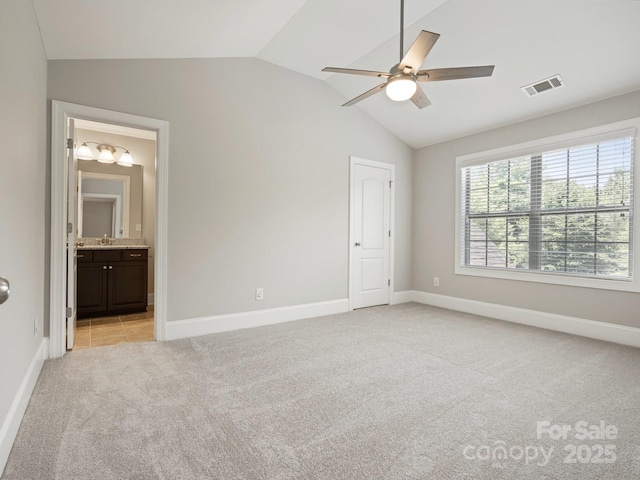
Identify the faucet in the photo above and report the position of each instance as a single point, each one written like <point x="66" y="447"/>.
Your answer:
<point x="105" y="240"/>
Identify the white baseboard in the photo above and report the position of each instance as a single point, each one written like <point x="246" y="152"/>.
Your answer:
<point x="149" y="298"/>
<point x="401" y="297"/>
<point x="257" y="318"/>
<point x="608" y="332"/>
<point x="11" y="423"/>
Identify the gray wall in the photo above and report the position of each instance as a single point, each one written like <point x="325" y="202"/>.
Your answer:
<point x="434" y="222"/>
<point x="258" y="176"/>
<point x="23" y="84"/>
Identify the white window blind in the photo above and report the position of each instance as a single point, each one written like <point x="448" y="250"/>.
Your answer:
<point x="566" y="211"/>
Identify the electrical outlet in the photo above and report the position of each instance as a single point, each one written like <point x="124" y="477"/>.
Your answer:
<point x="35" y="327"/>
<point x="260" y="293"/>
<point x="436" y="281"/>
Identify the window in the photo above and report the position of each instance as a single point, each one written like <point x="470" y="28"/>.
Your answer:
<point x="562" y="209"/>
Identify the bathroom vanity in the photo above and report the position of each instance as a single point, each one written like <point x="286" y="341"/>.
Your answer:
<point x="111" y="279"/>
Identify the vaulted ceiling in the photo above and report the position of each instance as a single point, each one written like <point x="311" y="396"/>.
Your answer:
<point x="592" y="44"/>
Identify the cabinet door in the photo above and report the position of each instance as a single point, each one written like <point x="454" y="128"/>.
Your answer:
<point x="92" y="288"/>
<point x="128" y="286"/>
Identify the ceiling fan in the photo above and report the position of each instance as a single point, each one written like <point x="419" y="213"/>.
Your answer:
<point x="401" y="82"/>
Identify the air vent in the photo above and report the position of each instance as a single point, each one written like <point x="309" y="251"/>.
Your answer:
<point x="543" y="85"/>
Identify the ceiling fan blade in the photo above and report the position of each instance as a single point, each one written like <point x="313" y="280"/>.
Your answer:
<point x="366" y="94"/>
<point x="438" y="74"/>
<point x="421" y="47"/>
<point x="419" y="99"/>
<point x="351" y="71"/>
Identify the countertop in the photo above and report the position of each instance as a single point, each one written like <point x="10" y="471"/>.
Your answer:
<point x="112" y="247"/>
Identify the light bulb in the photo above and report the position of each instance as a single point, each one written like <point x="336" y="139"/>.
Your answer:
<point x="106" y="155"/>
<point x="84" y="152"/>
<point x="401" y="88"/>
<point x="125" y="160"/>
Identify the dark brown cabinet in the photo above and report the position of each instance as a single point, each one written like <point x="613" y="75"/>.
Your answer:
<point x="111" y="281"/>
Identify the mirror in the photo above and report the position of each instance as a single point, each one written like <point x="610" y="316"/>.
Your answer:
<point x="109" y="201"/>
<point x="103" y="205"/>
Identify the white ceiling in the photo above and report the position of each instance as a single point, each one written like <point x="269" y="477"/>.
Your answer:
<point x="592" y="44"/>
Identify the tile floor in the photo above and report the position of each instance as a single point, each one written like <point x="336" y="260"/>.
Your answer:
<point x="103" y="331"/>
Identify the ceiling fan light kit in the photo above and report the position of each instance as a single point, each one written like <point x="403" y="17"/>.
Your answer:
<point x="401" y="82"/>
<point x="401" y="88"/>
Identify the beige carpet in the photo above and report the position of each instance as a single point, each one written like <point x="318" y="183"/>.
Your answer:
<point x="402" y="392"/>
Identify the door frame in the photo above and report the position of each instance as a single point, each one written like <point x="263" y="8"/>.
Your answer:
<point x="61" y="112"/>
<point x="353" y="161"/>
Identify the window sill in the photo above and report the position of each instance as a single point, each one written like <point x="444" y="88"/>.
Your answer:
<point x="551" y="278"/>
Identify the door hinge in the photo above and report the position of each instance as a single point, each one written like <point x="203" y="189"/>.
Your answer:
<point x="69" y="142"/>
<point x="390" y="182"/>
<point x="69" y="312"/>
<point x="69" y="227"/>
<point x="389" y="233"/>
<point x="389" y="282"/>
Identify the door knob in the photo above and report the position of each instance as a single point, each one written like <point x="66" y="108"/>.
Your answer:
<point x="357" y="244"/>
<point x="4" y="290"/>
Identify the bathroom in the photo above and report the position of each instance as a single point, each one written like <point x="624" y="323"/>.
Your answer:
<point x="115" y="232"/>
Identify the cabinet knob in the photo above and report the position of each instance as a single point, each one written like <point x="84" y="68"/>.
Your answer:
<point x="110" y="267"/>
<point x="104" y="267"/>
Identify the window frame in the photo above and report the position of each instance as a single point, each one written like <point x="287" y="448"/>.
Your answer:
<point x="590" y="135"/>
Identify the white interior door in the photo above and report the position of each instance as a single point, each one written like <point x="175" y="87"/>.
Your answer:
<point x="72" y="209"/>
<point x="370" y="267"/>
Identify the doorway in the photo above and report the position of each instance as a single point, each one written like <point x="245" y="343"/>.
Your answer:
<point x="371" y="233"/>
<point x="87" y="121"/>
<point x="116" y="201"/>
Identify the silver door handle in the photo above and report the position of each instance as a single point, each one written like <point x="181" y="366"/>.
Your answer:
<point x="357" y="244"/>
<point x="4" y="290"/>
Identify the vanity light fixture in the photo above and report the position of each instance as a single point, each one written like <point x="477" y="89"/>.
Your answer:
<point x="126" y="160"/>
<point x="105" y="154"/>
<point x="84" y="152"/>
